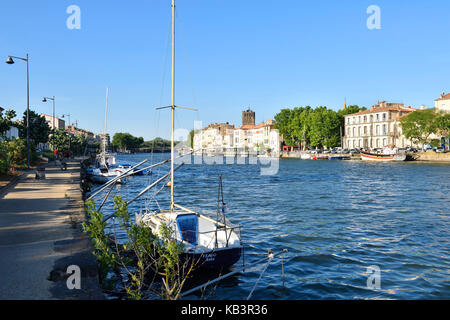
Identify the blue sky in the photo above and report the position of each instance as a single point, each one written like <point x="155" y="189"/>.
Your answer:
<point x="231" y="55"/>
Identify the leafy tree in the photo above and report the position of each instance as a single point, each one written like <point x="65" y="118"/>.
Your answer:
<point x="159" y="143"/>
<point x="283" y="121"/>
<point x="4" y="160"/>
<point x="126" y="141"/>
<point x="78" y="144"/>
<point x="17" y="153"/>
<point x="39" y="128"/>
<point x="443" y="124"/>
<point x="59" y="140"/>
<point x="6" y="121"/>
<point x="318" y="127"/>
<point x="418" y="126"/>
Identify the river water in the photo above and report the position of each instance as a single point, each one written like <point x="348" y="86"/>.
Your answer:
<point x="353" y="230"/>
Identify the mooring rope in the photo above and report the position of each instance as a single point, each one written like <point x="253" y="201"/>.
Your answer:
<point x="252" y="267"/>
<point x="260" y="276"/>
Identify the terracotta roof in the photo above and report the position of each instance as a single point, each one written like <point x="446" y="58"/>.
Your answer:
<point x="444" y="97"/>
<point x="249" y="126"/>
<point x="383" y="109"/>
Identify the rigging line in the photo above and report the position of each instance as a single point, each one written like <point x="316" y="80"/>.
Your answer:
<point x="186" y="57"/>
<point x="163" y="80"/>
<point x="248" y="268"/>
<point x="260" y="276"/>
<point x="123" y="175"/>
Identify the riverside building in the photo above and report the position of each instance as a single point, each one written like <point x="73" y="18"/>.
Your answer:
<point x="377" y="127"/>
<point x="443" y="102"/>
<point x="225" y="139"/>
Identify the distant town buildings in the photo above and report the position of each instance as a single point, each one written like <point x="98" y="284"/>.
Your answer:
<point x="11" y="134"/>
<point x="377" y="127"/>
<point x="59" y="123"/>
<point x="443" y="102"/>
<point x="223" y="138"/>
<point x="90" y="136"/>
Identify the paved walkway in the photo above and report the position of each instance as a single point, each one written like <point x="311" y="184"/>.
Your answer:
<point x="40" y="237"/>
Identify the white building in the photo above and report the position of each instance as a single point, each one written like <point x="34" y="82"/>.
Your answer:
<point x="11" y="134"/>
<point x="59" y="123"/>
<point x="443" y="102"/>
<point x="377" y="127"/>
<point x="226" y="139"/>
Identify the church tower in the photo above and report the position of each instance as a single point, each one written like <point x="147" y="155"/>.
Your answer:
<point x="248" y="118"/>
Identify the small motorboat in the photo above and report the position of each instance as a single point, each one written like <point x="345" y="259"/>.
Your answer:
<point x="102" y="175"/>
<point x="340" y="158"/>
<point x="388" y="154"/>
<point x="320" y="157"/>
<point x="305" y="156"/>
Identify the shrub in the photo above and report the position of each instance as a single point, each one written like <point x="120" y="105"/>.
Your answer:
<point x="4" y="161"/>
<point x="17" y="153"/>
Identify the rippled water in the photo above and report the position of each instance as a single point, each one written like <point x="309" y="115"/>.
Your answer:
<point x="336" y="218"/>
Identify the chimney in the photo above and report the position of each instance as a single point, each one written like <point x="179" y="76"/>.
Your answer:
<point x="443" y="94"/>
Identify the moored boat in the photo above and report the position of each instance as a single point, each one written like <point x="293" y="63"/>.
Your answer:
<point x="387" y="155"/>
<point x="207" y="242"/>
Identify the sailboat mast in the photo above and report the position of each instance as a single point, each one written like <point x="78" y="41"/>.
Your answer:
<point x="106" y="118"/>
<point x="172" y="143"/>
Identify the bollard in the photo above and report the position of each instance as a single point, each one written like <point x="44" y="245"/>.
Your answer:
<point x="40" y="174"/>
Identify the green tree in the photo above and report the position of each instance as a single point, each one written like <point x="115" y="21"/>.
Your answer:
<point x="126" y="141"/>
<point x="159" y="143"/>
<point x="6" y="121"/>
<point x="4" y="159"/>
<point x="39" y="128"/>
<point x="59" y="140"/>
<point x="283" y="122"/>
<point x="443" y="124"/>
<point x="418" y="126"/>
<point x="17" y="153"/>
<point x="78" y="144"/>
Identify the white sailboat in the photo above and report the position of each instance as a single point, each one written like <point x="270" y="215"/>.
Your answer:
<point x="212" y="243"/>
<point x="106" y="167"/>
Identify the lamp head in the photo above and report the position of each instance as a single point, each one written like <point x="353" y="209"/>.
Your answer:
<point x="10" y="60"/>
<point x="44" y="100"/>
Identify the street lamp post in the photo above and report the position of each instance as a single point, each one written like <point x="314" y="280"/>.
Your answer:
<point x="68" y="115"/>
<point x="11" y="61"/>
<point x="53" y="99"/>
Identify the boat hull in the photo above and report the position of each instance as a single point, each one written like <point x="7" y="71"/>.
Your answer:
<point x="374" y="157"/>
<point x="214" y="259"/>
